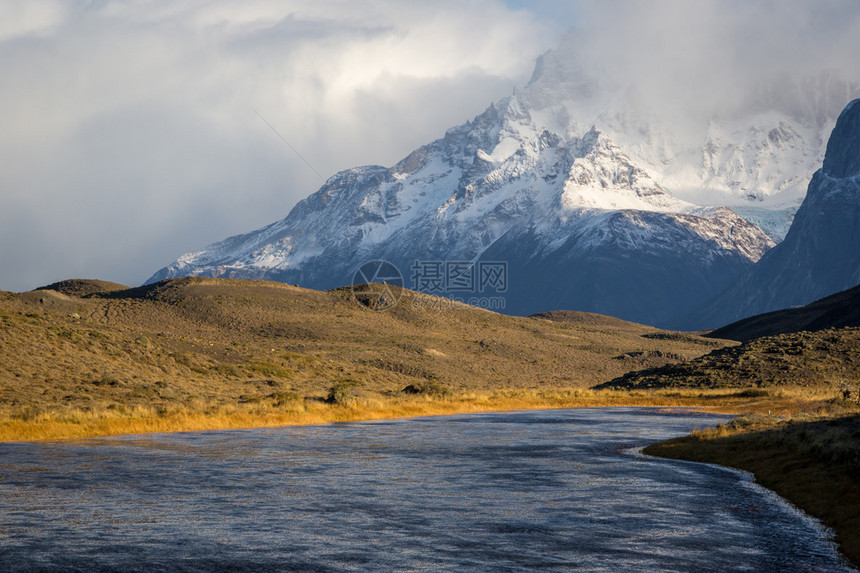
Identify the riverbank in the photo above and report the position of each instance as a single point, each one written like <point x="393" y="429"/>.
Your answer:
<point x="86" y="358"/>
<point x="811" y="459"/>
<point x="58" y="423"/>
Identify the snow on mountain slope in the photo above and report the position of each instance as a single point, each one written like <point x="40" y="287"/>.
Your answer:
<point x="648" y="267"/>
<point x="492" y="173"/>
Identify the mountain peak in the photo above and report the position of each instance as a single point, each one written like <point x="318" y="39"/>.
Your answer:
<point x="573" y="182"/>
<point x="843" y="150"/>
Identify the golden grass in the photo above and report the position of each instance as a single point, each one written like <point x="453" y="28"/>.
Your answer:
<point x="198" y="336"/>
<point x="69" y="423"/>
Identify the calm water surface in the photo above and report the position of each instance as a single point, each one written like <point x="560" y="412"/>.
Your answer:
<point x="547" y="490"/>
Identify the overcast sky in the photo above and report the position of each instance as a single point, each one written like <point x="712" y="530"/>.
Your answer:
<point x="130" y="134"/>
<point x="129" y="131"/>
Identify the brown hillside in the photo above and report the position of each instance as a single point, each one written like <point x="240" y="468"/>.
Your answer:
<point x="584" y="318"/>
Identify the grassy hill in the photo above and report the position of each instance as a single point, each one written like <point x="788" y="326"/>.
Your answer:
<point x="80" y="350"/>
<point x="815" y="346"/>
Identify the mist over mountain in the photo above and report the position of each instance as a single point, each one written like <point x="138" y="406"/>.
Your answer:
<point x="821" y="253"/>
<point x="753" y="151"/>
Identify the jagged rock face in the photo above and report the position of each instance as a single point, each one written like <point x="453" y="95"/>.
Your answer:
<point x="842" y="160"/>
<point x="821" y="252"/>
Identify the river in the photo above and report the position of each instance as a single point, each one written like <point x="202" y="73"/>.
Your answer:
<point x="550" y="490"/>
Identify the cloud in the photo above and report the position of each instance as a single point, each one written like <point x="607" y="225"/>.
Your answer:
<point x="130" y="129"/>
<point x="31" y="18"/>
<point x="714" y="54"/>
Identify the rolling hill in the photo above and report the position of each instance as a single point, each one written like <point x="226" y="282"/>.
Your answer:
<point x="195" y="344"/>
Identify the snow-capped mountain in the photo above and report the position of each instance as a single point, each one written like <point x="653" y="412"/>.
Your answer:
<point x="592" y="202"/>
<point x="821" y="253"/>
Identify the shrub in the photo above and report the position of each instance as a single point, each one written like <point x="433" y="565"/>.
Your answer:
<point x="284" y="397"/>
<point x="341" y="393"/>
<point x="268" y="370"/>
<point x="428" y="389"/>
<point x="850" y="393"/>
<point x="106" y="380"/>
